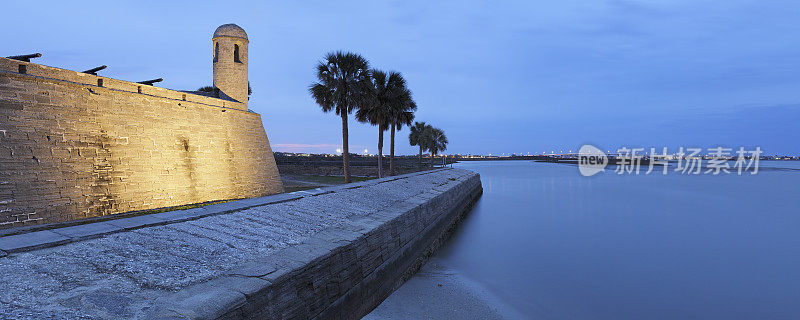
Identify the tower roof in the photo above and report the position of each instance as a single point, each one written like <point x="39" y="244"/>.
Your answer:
<point x="230" y="30"/>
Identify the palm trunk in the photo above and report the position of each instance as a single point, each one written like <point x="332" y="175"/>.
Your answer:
<point x="420" y="157"/>
<point x="431" y="159"/>
<point x="345" y="149"/>
<point x="391" y="153"/>
<point x="380" y="152"/>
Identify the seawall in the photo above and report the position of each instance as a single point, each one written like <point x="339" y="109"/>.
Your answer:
<point x="76" y="146"/>
<point x="330" y="253"/>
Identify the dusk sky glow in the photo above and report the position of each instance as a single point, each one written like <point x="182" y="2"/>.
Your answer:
<point x="497" y="77"/>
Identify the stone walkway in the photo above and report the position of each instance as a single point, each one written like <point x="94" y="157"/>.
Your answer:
<point x="119" y="275"/>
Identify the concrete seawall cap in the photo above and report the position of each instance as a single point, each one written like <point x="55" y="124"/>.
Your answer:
<point x="335" y="254"/>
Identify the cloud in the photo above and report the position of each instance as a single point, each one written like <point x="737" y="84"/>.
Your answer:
<point x="503" y="76"/>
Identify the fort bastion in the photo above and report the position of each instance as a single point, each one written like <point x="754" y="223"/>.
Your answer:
<point x="77" y="145"/>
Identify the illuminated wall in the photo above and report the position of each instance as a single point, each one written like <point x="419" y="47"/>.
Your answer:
<point x="74" y="146"/>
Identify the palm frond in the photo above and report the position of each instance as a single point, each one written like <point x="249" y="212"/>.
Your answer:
<point x="342" y="82"/>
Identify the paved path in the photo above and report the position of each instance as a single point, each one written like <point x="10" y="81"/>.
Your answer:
<point x="119" y="275"/>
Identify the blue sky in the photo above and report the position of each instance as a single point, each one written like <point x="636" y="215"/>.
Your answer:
<point x="497" y="76"/>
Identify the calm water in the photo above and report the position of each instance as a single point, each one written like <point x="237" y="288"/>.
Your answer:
<point x="557" y="245"/>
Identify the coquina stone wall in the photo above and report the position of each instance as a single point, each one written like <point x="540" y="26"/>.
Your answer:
<point x="339" y="273"/>
<point x="75" y="145"/>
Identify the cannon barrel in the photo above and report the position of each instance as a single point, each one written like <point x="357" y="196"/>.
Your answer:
<point x="151" y="82"/>
<point x="25" y="57"/>
<point x="93" y="71"/>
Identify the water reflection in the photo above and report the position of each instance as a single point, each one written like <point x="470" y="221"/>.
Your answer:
<point x="562" y="246"/>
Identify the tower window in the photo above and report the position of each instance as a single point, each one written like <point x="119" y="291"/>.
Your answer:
<point x="23" y="69"/>
<point x="236" y="53"/>
<point x="99" y="82"/>
<point x="216" y="51"/>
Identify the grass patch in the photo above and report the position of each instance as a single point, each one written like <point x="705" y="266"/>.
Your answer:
<point x="114" y="216"/>
<point x="333" y="179"/>
<point x="183" y="207"/>
<point x="295" y="189"/>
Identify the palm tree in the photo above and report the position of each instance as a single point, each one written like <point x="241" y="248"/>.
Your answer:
<point x="402" y="114"/>
<point x="209" y="89"/>
<point x="343" y="85"/>
<point x="436" y="141"/>
<point x="417" y="138"/>
<point x="403" y="118"/>
<point x="378" y="111"/>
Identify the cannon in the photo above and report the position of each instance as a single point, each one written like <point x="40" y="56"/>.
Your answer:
<point x="151" y="82"/>
<point x="93" y="71"/>
<point x="26" y="57"/>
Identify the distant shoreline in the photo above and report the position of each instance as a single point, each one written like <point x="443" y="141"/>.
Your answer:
<point x="555" y="159"/>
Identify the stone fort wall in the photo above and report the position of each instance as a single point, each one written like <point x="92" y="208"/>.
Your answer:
<point x="75" y="146"/>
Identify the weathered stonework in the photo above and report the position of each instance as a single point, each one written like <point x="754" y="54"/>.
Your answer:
<point x="332" y="253"/>
<point x="75" y="145"/>
<point x="231" y="60"/>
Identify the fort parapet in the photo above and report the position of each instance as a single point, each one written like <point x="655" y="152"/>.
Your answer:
<point x="75" y="145"/>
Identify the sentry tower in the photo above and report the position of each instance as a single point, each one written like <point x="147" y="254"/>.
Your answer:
<point x="230" y="62"/>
